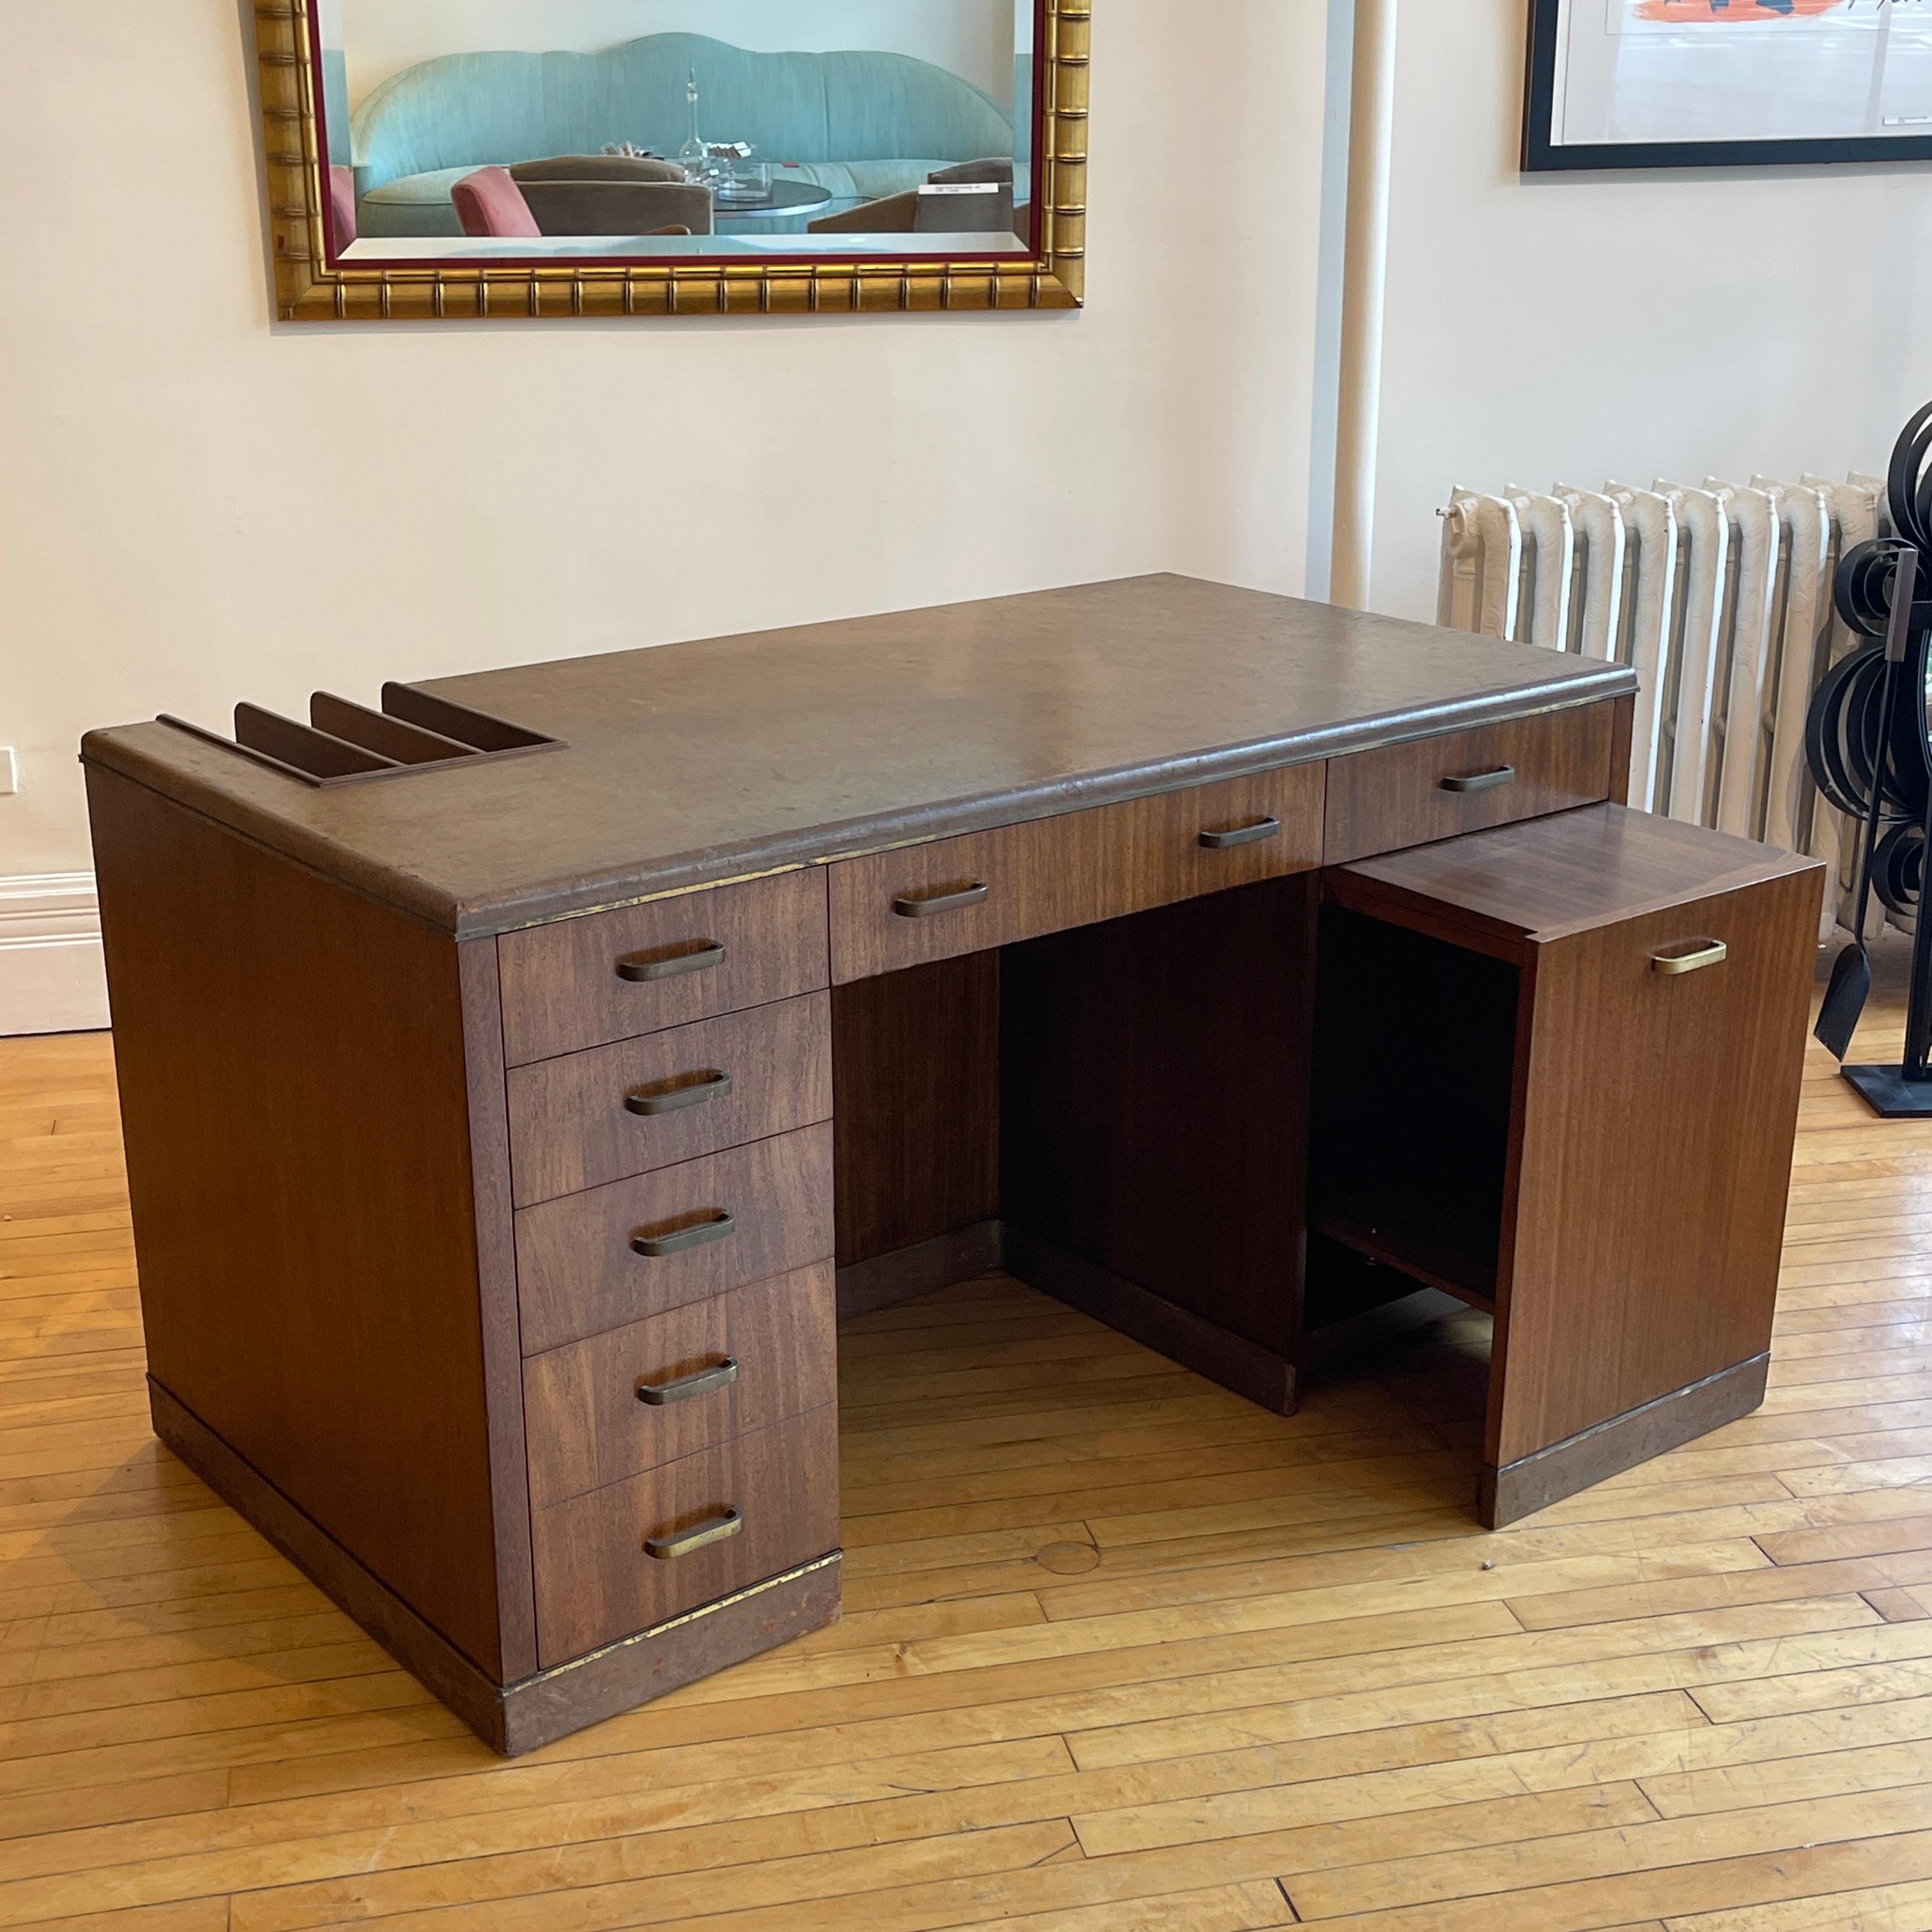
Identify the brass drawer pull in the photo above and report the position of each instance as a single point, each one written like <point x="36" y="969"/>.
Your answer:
<point x="1241" y="835"/>
<point x="664" y="1548"/>
<point x="661" y="1395"/>
<point x="1704" y="952"/>
<point x="639" y="968"/>
<point x="954" y="899"/>
<point x="714" y="1227"/>
<point x="1503" y="774"/>
<point x="689" y="1090"/>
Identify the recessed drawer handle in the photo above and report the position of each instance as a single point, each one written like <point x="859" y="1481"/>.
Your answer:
<point x="1703" y="952"/>
<point x="1503" y="774"/>
<point x="642" y="968"/>
<point x="663" y="1548"/>
<point x="930" y="905"/>
<point x="1241" y="834"/>
<point x="690" y="1090"/>
<point x="661" y="1395"/>
<point x="680" y="1241"/>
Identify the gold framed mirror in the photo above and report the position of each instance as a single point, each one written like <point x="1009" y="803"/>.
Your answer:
<point x="478" y="159"/>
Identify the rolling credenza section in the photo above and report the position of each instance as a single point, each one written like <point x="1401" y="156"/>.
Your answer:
<point x="506" y="1138"/>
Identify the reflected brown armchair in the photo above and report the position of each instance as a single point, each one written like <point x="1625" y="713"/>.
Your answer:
<point x="609" y="194"/>
<point x="948" y="209"/>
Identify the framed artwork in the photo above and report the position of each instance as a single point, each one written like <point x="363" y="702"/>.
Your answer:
<point x="1726" y="83"/>
<point x="472" y="160"/>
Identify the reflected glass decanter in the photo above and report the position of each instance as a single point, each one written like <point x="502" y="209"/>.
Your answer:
<point x="694" y="157"/>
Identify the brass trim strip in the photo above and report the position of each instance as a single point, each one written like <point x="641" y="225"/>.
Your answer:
<point x="690" y="1617"/>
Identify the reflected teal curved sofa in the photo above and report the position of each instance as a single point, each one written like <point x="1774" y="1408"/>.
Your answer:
<point x="863" y="124"/>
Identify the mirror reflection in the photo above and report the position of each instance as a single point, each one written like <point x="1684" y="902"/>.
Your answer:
<point x="642" y="129"/>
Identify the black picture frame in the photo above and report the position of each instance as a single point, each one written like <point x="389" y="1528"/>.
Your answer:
<point x="1541" y="155"/>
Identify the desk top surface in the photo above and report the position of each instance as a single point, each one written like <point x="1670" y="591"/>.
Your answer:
<point x="688" y="764"/>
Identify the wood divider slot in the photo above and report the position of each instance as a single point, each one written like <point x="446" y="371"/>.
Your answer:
<point x="481" y="729"/>
<point x="347" y="743"/>
<point x="318" y="753"/>
<point x="394" y="738"/>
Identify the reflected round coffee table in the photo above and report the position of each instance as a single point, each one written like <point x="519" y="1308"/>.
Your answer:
<point x="788" y="198"/>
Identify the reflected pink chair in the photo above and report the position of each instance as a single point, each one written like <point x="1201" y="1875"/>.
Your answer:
<point x="489" y="202"/>
<point x="342" y="205"/>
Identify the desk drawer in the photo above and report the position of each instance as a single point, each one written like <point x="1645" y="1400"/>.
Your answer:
<point x="607" y="1564"/>
<point x="896" y="909"/>
<point x="1413" y="794"/>
<point x="584" y="983"/>
<point x="591" y="1117"/>
<point x="578" y="1274"/>
<point x="608" y="1409"/>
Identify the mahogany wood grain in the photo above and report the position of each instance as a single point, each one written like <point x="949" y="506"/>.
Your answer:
<point x="1380" y="800"/>
<point x="496" y="1291"/>
<point x="915" y="1082"/>
<point x="1522" y="886"/>
<point x="589" y="1427"/>
<point x="1054" y="874"/>
<point x="595" y="1581"/>
<point x="577" y="1272"/>
<point x="298" y="1111"/>
<point x="562" y="991"/>
<point x="1647" y="1204"/>
<point x="1623" y="733"/>
<point x="1155" y="1080"/>
<point x="571" y="1128"/>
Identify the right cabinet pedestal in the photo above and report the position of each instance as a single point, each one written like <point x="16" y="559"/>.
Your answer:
<point x="1557" y="1069"/>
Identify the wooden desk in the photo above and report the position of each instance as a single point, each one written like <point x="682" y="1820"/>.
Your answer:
<point x="493" y="1129"/>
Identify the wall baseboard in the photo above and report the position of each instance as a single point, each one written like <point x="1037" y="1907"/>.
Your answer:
<point x="53" y="977"/>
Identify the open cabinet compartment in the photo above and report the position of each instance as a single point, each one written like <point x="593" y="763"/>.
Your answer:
<point x="347" y="743"/>
<point x="1415" y="1043"/>
<point x="1556" y="1073"/>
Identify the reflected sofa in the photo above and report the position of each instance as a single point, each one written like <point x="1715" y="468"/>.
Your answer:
<point x="863" y="124"/>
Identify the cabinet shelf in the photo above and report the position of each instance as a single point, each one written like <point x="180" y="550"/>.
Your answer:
<point x="1434" y="1256"/>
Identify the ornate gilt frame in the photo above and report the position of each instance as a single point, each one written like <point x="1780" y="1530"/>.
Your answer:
<point x="307" y="289"/>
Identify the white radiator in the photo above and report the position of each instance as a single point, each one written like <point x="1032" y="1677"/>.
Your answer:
<point x="1719" y="596"/>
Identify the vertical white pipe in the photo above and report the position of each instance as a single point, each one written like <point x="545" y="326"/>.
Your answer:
<point x="1365" y="284"/>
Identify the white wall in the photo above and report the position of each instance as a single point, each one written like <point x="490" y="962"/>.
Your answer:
<point x="1635" y="326"/>
<point x="198" y="507"/>
<point x="972" y="38"/>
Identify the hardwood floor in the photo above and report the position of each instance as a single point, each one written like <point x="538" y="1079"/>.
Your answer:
<point x="1121" y="1653"/>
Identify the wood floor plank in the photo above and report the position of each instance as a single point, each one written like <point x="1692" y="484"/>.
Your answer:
<point x="1890" y="1908"/>
<point x="1811" y="1875"/>
<point x="1012" y="1868"/>
<point x="1659" y="1851"/>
